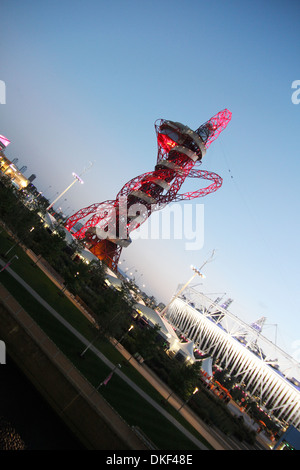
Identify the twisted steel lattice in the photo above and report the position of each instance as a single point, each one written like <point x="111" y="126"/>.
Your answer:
<point x="179" y="150"/>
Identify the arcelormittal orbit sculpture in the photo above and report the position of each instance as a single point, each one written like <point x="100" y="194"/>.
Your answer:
<point x="180" y="150"/>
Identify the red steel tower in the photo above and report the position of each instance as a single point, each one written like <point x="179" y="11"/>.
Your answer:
<point x="180" y="151"/>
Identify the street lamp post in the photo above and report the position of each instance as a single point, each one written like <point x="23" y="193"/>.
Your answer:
<point x="76" y="178"/>
<point x="104" y="382"/>
<point x="184" y="403"/>
<point x="18" y="243"/>
<point x="107" y="379"/>
<point x="197" y="272"/>
<point x="8" y="263"/>
<point x="98" y="336"/>
<point x="90" y="344"/>
<point x="13" y="246"/>
<point x="126" y="332"/>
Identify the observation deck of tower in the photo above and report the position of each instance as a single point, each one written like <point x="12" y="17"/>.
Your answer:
<point x="180" y="151"/>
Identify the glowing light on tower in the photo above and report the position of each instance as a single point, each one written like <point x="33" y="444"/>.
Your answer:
<point x="4" y="142"/>
<point x="180" y="150"/>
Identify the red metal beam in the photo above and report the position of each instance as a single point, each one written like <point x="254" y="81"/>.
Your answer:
<point x="179" y="150"/>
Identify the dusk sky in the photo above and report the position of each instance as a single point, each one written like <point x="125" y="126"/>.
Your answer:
<point x="86" y="81"/>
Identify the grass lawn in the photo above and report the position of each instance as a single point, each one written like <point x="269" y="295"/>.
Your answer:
<point x="129" y="404"/>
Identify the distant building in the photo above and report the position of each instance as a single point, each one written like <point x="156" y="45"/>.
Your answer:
<point x="160" y="306"/>
<point x="31" y="178"/>
<point x="241" y="350"/>
<point x="8" y="168"/>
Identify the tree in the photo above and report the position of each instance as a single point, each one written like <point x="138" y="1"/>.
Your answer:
<point x="183" y="378"/>
<point x="145" y="341"/>
<point x="112" y="312"/>
<point x="96" y="275"/>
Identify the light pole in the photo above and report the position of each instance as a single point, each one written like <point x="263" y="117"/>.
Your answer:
<point x="76" y="178"/>
<point x="8" y="263"/>
<point x="90" y="344"/>
<point x="104" y="382"/>
<point x="107" y="379"/>
<point x="184" y="403"/>
<point x="16" y="244"/>
<point x="126" y="332"/>
<point x="129" y="269"/>
<point x="197" y="272"/>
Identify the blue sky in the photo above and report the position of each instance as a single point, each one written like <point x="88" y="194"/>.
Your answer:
<point x="85" y="81"/>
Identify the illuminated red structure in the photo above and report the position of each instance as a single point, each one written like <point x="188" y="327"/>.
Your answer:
<point x="180" y="151"/>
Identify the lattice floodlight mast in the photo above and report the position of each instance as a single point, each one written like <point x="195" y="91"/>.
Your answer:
<point x="180" y="149"/>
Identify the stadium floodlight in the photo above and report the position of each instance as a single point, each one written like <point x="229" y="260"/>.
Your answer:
<point x="76" y="178"/>
<point x="197" y="272"/>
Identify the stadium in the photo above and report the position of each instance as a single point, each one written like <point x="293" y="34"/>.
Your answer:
<point x="266" y="372"/>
